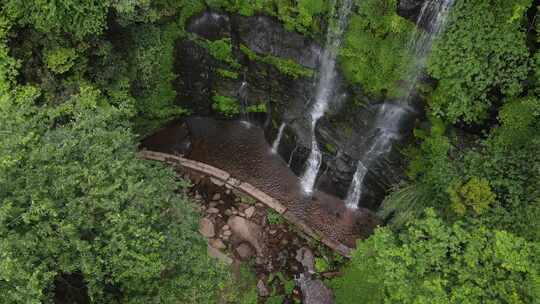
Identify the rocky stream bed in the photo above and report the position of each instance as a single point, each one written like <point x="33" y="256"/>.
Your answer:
<point x="289" y="267"/>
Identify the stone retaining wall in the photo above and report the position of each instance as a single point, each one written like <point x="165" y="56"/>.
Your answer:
<point x="249" y="190"/>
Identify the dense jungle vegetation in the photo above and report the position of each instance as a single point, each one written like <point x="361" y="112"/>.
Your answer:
<point x="81" y="81"/>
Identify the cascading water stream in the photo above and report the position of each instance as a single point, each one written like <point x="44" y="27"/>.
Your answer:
<point x="243" y="97"/>
<point x="275" y="144"/>
<point x="432" y="16"/>
<point x="354" y="193"/>
<point x="325" y="89"/>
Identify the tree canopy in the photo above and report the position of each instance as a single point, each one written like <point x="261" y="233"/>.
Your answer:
<point x="432" y="262"/>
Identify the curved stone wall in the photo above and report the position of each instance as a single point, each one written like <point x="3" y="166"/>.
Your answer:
<point x="249" y="190"/>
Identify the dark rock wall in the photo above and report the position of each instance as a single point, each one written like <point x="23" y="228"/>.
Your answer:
<point x="344" y="133"/>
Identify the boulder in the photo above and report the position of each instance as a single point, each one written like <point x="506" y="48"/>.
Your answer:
<point x="263" y="289"/>
<point x="206" y="227"/>
<point x="249" y="212"/>
<point x="306" y="258"/>
<point x="244" y="251"/>
<point x="314" y="291"/>
<point x="248" y="231"/>
<point x="217" y="243"/>
<point x="212" y="210"/>
<point x="217" y="254"/>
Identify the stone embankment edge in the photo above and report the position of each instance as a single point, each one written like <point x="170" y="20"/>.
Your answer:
<point x="249" y="190"/>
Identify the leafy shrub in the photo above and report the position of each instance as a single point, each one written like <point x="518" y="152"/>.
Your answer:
<point x="432" y="167"/>
<point x="481" y="55"/>
<point x="222" y="50"/>
<point x="78" y="18"/>
<point x="308" y="9"/>
<point x="285" y="66"/>
<point x="301" y="15"/>
<point x="258" y="108"/>
<point x="288" y="66"/>
<point x="8" y="65"/>
<point x="508" y="159"/>
<point x="227" y="73"/>
<point x="152" y="74"/>
<point x="432" y="262"/>
<point x="225" y="105"/>
<point x="274" y="218"/>
<point x="76" y="200"/>
<point x="242" y="289"/>
<point x="60" y="60"/>
<point x="140" y="11"/>
<point x="375" y="53"/>
<point x="476" y="194"/>
<point x="321" y="265"/>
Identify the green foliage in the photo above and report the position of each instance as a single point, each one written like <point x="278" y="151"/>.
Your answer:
<point x="243" y="289"/>
<point x="79" y="18"/>
<point x="476" y="194"/>
<point x="284" y="66"/>
<point x="308" y="9"/>
<point x="8" y="65"/>
<point x="75" y="199"/>
<point x="275" y="299"/>
<point x="278" y="279"/>
<point x="330" y="148"/>
<point x="288" y="66"/>
<point x="432" y="262"/>
<point x="60" y="60"/>
<point x="225" y="105"/>
<point x="432" y="167"/>
<point x="289" y="285"/>
<point x="481" y="55"/>
<point x="152" y="73"/>
<point x="321" y="265"/>
<point x="249" y="53"/>
<point x="375" y="53"/>
<point x="257" y="108"/>
<point x="510" y="161"/>
<point x="274" y="218"/>
<point x="302" y="15"/>
<point x="498" y="179"/>
<point x="227" y="73"/>
<point x="143" y="11"/>
<point x="520" y="120"/>
<point x="405" y="204"/>
<point x="222" y="50"/>
<point x="243" y="7"/>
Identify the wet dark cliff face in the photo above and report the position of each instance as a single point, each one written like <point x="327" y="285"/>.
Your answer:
<point x="410" y="9"/>
<point x="344" y="134"/>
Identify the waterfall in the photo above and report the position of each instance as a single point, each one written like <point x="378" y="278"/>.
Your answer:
<point x="243" y="98"/>
<point x="325" y="89"/>
<point x="275" y="144"/>
<point x="432" y="16"/>
<point x="353" y="196"/>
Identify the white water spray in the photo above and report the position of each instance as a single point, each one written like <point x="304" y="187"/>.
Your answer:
<point x="243" y="97"/>
<point x="275" y="144"/>
<point x="325" y="89"/>
<point x="433" y="16"/>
